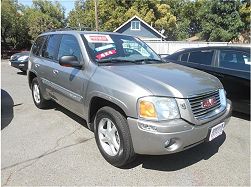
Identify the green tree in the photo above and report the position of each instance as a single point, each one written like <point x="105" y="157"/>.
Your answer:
<point x="220" y="20"/>
<point x="212" y="20"/>
<point x="166" y="21"/>
<point x="113" y="13"/>
<point x="82" y="15"/>
<point x="245" y="11"/>
<point x="13" y="26"/>
<point x="44" y="15"/>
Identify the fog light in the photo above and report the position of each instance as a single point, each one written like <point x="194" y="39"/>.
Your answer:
<point x="173" y="144"/>
<point x="167" y="143"/>
<point x="147" y="127"/>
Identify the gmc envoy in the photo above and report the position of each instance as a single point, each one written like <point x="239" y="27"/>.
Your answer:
<point x="133" y="101"/>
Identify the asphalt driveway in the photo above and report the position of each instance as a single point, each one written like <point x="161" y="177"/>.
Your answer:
<point x="54" y="147"/>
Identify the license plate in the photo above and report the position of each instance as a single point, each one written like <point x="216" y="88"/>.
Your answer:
<point x="216" y="131"/>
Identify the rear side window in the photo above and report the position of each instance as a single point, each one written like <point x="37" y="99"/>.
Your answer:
<point x="37" y="45"/>
<point x="201" y="57"/>
<point x="69" y="46"/>
<point x="50" y="48"/>
<point x="236" y="60"/>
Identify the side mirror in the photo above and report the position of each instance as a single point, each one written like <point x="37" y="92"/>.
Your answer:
<point x="69" y="61"/>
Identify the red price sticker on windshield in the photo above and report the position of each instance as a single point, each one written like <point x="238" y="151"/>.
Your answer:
<point x="98" y="38"/>
<point x="106" y="54"/>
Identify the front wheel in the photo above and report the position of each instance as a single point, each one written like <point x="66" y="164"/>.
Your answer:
<point x="113" y="138"/>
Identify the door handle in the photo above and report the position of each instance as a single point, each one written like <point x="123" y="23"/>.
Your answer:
<point x="55" y="72"/>
<point x="37" y="65"/>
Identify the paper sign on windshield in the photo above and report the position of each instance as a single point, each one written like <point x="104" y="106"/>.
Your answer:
<point x="104" y="47"/>
<point x="105" y="54"/>
<point x="98" y="38"/>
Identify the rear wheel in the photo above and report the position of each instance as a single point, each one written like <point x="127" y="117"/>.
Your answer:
<point x="113" y="137"/>
<point x="38" y="99"/>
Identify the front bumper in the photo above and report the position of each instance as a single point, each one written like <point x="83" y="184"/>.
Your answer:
<point x="179" y="133"/>
<point x="20" y="65"/>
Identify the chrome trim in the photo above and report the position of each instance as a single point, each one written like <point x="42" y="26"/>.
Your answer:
<point x="205" y="115"/>
<point x="63" y="90"/>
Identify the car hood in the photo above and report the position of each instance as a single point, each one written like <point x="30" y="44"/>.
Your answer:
<point x="168" y="79"/>
<point x="17" y="55"/>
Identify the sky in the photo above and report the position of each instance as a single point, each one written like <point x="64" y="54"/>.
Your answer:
<point x="67" y="4"/>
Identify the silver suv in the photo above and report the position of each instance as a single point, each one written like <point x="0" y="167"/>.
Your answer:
<point x="133" y="101"/>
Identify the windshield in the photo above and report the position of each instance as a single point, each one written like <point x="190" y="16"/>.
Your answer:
<point x="113" y="48"/>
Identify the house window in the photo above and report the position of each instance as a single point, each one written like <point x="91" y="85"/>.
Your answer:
<point x="135" y="25"/>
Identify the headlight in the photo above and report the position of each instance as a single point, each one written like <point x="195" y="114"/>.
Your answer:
<point x="158" y="108"/>
<point x="223" y="99"/>
<point x="23" y="58"/>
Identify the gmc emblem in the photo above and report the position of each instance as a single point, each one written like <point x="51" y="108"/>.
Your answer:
<point x="208" y="103"/>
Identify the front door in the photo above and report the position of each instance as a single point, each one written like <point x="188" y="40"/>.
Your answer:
<point x="71" y="82"/>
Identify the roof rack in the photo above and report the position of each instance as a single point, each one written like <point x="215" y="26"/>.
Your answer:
<point x="70" y="28"/>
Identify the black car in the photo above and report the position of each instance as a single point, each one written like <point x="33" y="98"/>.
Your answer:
<point x="229" y="63"/>
<point x="20" y="60"/>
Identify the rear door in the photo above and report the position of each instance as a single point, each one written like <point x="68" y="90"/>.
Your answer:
<point x="201" y="59"/>
<point x="35" y="55"/>
<point x="49" y="55"/>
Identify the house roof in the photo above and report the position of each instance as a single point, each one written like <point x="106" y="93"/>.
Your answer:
<point x="149" y="26"/>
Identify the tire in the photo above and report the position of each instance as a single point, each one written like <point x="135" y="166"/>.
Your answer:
<point x="119" y="154"/>
<point x="38" y="99"/>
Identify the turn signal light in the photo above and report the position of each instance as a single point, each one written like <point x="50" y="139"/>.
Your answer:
<point x="147" y="110"/>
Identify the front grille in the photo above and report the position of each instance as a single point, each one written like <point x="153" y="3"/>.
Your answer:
<point x="196" y="104"/>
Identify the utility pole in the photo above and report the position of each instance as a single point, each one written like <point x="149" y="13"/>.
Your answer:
<point x="96" y="13"/>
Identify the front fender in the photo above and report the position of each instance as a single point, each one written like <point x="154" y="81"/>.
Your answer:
<point x="107" y="97"/>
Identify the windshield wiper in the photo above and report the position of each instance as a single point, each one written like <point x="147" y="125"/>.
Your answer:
<point x="114" y="60"/>
<point x="148" y="60"/>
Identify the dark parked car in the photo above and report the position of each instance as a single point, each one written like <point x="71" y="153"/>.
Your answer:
<point x="20" y="60"/>
<point x="230" y="64"/>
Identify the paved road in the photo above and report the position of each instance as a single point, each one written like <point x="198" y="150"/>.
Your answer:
<point x="54" y="147"/>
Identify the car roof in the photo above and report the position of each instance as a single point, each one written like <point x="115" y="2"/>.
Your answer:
<point x="242" y="48"/>
<point x="77" y="32"/>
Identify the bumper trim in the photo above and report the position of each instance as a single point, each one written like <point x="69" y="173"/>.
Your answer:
<point x="184" y="134"/>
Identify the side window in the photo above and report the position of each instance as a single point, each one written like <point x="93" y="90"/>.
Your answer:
<point x="236" y="60"/>
<point x="37" y="45"/>
<point x="201" y="57"/>
<point x="183" y="57"/>
<point x="50" y="48"/>
<point x="69" y="46"/>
